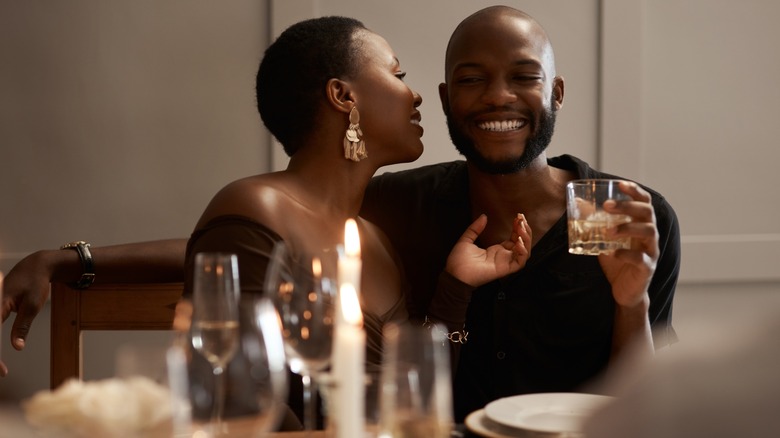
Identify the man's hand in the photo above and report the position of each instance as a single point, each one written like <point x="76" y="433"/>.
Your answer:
<point x="629" y="271"/>
<point x="476" y="266"/>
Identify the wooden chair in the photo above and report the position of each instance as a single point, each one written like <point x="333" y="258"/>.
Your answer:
<point x="126" y="306"/>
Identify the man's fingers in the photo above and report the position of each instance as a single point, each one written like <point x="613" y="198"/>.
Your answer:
<point x="633" y="190"/>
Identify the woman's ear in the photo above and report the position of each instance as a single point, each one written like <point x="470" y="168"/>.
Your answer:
<point x="339" y="95"/>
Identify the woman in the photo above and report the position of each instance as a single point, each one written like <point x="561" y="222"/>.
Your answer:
<point x="324" y="86"/>
<point x="321" y="81"/>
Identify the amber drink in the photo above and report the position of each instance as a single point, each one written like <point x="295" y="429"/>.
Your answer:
<point x="588" y="222"/>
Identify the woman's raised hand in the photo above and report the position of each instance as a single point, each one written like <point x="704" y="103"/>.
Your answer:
<point x="476" y="266"/>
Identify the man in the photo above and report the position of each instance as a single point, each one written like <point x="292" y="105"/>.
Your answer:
<point x="562" y="319"/>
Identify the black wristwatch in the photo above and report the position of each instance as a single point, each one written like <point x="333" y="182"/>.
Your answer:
<point x="88" y="267"/>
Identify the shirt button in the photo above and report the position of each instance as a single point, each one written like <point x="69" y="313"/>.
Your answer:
<point x="501" y="355"/>
<point x="501" y="295"/>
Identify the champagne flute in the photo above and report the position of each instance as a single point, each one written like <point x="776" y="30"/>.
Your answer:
<point x="215" y="320"/>
<point x="303" y="285"/>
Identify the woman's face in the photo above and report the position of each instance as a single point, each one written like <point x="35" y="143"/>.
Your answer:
<point x="389" y="117"/>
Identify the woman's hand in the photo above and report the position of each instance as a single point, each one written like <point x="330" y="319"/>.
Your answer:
<point x="25" y="291"/>
<point x="182" y="317"/>
<point x="476" y="266"/>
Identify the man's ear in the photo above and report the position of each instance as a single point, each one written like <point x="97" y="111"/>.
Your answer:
<point x="558" y="89"/>
<point x="339" y="95"/>
<point x="445" y="100"/>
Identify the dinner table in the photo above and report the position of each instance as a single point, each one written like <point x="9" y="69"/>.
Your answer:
<point x="13" y="425"/>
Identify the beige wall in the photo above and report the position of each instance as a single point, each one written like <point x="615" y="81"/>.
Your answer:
<point x="688" y="106"/>
<point x="121" y="119"/>
<point x="118" y="121"/>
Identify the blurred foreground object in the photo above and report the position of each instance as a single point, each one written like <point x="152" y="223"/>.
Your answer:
<point x="136" y="406"/>
<point x="722" y="385"/>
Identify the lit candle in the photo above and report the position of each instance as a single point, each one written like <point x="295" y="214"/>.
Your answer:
<point x="348" y="366"/>
<point x="349" y="261"/>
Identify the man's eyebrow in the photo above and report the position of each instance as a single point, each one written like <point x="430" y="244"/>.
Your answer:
<point x="466" y="65"/>
<point x="518" y="63"/>
<point x="531" y="62"/>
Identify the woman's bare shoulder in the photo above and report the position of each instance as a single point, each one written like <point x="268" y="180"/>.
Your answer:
<point x="257" y="197"/>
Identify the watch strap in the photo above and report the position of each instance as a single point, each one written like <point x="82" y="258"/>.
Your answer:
<point x="87" y="264"/>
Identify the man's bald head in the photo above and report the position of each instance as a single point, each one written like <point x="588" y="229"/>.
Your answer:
<point x="499" y="19"/>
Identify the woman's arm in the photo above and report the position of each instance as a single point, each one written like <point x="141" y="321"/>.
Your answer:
<point x="26" y="287"/>
<point x="468" y="267"/>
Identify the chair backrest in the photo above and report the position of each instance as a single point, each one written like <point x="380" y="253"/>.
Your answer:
<point x="126" y="306"/>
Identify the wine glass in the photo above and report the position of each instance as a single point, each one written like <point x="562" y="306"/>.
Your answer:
<point x="215" y="320"/>
<point x="262" y="347"/>
<point x="155" y="373"/>
<point x="303" y="286"/>
<point x="416" y="394"/>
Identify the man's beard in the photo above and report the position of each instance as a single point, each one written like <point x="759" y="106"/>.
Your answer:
<point x="542" y="129"/>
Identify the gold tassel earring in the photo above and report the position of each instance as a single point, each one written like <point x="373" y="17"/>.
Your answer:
<point x="354" y="145"/>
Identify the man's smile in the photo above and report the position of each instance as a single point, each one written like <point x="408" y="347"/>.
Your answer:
<point x="502" y="125"/>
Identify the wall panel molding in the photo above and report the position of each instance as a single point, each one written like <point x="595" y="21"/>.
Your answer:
<point x="730" y="258"/>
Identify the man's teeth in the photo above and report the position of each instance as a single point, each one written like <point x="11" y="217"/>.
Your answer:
<point x="499" y="126"/>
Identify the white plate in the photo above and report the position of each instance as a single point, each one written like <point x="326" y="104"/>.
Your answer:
<point x="546" y="412"/>
<point x="483" y="426"/>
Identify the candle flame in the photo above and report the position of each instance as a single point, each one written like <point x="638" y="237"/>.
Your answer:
<point x="351" y="239"/>
<point x="316" y="267"/>
<point x="350" y="305"/>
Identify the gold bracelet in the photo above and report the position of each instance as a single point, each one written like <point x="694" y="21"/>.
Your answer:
<point x="456" y="337"/>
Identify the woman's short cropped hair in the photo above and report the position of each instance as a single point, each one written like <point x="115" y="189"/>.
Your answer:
<point x="295" y="69"/>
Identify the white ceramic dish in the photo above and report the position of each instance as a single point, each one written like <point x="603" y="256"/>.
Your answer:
<point x="546" y="412"/>
<point x="481" y="425"/>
